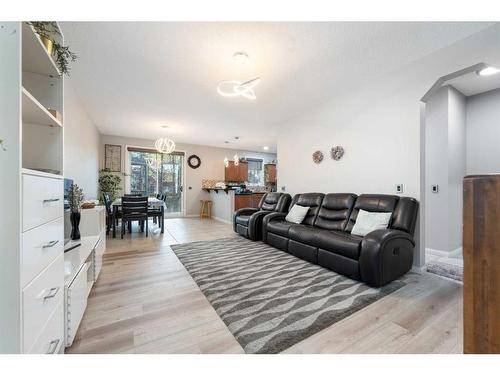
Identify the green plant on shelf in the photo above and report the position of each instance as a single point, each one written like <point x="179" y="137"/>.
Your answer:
<point x="63" y="55"/>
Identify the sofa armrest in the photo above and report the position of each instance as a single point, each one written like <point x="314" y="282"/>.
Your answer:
<point x="269" y="218"/>
<point x="255" y="224"/>
<point x="385" y="255"/>
<point x="243" y="211"/>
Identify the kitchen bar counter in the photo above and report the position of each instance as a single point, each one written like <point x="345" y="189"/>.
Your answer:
<point x="226" y="201"/>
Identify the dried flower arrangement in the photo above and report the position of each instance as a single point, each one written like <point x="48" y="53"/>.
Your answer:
<point x="75" y="198"/>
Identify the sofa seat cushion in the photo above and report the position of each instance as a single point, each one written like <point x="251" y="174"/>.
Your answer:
<point x="242" y="219"/>
<point x="280" y="227"/>
<point x="340" y="243"/>
<point x="304" y="234"/>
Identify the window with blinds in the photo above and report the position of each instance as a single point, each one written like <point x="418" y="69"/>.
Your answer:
<point x="255" y="172"/>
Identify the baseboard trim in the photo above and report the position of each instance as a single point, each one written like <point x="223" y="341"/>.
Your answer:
<point x="419" y="270"/>
<point x="222" y="220"/>
<point x="442" y="253"/>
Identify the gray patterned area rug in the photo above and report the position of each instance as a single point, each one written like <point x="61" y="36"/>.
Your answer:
<point x="268" y="299"/>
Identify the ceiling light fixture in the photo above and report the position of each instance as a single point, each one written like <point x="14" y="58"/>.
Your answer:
<point x="237" y="88"/>
<point x="165" y="145"/>
<point x="488" y="71"/>
<point x="265" y="148"/>
<point x="233" y="88"/>
<point x="236" y="160"/>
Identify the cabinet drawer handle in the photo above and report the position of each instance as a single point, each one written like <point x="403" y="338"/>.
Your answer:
<point x="50" y="200"/>
<point x="50" y="244"/>
<point x="52" y="293"/>
<point x="53" y="346"/>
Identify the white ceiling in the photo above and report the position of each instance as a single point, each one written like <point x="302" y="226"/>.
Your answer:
<point x="134" y="77"/>
<point x="473" y="84"/>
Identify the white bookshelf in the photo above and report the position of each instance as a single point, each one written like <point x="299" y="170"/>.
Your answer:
<point x="35" y="113"/>
<point x="32" y="263"/>
<point x="35" y="56"/>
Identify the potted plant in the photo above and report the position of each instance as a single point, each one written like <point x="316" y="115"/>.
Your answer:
<point x="47" y="31"/>
<point x="109" y="183"/>
<point x="75" y="198"/>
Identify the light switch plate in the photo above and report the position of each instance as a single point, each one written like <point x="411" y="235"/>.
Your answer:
<point x="399" y="189"/>
<point x="435" y="188"/>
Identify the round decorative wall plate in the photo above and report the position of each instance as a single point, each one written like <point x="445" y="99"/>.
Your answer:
<point x="194" y="161"/>
<point x="337" y="152"/>
<point x="317" y="157"/>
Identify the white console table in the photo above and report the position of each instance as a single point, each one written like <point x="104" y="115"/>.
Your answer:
<point x="82" y="266"/>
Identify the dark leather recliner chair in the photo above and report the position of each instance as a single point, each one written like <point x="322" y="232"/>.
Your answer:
<point x="324" y="237"/>
<point x="248" y="221"/>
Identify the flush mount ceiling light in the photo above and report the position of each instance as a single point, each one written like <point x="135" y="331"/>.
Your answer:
<point x="488" y="71"/>
<point x="233" y="88"/>
<point x="265" y="148"/>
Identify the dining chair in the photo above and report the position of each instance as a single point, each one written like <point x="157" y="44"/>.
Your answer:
<point x="155" y="213"/>
<point x="134" y="209"/>
<point x="133" y="195"/>
<point x="109" y="212"/>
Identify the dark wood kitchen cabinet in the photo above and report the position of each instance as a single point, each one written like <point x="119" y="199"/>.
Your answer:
<point x="236" y="173"/>
<point x="270" y="173"/>
<point x="481" y="249"/>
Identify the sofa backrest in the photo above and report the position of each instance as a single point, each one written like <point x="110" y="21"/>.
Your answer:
<point x="277" y="202"/>
<point x="405" y="215"/>
<point x="311" y="200"/>
<point x="372" y="203"/>
<point x="335" y="211"/>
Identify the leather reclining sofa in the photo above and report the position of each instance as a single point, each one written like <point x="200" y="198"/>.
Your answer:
<point x="324" y="236"/>
<point x="248" y="221"/>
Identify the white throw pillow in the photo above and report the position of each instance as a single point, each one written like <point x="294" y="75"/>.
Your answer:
<point x="297" y="214"/>
<point x="367" y="222"/>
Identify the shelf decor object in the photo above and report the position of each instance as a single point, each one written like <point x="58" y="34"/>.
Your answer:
<point x="113" y="158"/>
<point x="48" y="32"/>
<point x="75" y="198"/>
<point x="317" y="157"/>
<point x="337" y="152"/>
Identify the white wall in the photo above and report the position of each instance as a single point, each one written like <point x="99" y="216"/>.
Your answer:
<point x="483" y="133"/>
<point x="212" y="165"/>
<point x="10" y="187"/>
<point x="377" y="124"/>
<point x="456" y="166"/>
<point x="81" y="144"/>
<point x="436" y="170"/>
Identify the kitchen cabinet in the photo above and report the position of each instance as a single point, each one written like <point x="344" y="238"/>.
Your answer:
<point x="270" y="173"/>
<point x="247" y="200"/>
<point x="236" y="173"/>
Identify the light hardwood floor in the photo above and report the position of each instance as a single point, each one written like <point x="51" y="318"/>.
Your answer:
<point x="146" y="302"/>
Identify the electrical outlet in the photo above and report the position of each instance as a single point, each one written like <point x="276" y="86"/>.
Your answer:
<point x="435" y="188"/>
<point x="399" y="189"/>
<point x="283" y="188"/>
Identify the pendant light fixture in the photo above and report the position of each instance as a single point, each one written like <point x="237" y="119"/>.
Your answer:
<point x="165" y="145"/>
<point x="236" y="159"/>
<point x="233" y="88"/>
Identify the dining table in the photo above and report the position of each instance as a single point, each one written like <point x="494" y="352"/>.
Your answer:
<point x="153" y="203"/>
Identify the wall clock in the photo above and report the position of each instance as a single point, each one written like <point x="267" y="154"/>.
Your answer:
<point x="194" y="161"/>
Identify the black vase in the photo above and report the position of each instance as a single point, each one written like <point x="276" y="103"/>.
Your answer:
<point x="75" y="222"/>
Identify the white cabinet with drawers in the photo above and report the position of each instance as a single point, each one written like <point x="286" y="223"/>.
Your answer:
<point x="82" y="266"/>
<point x="42" y="263"/>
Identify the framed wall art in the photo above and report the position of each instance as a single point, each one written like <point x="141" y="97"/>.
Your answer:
<point x="113" y="158"/>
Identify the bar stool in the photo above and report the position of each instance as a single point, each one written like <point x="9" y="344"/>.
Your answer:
<point x="206" y="209"/>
